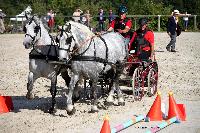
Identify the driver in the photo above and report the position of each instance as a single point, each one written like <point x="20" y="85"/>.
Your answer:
<point x="122" y="24"/>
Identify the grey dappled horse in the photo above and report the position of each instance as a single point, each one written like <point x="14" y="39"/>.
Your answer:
<point x="90" y="56"/>
<point x="44" y="49"/>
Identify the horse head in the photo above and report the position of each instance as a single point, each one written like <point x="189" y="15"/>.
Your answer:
<point x="32" y="32"/>
<point x="66" y="41"/>
<point x="72" y="36"/>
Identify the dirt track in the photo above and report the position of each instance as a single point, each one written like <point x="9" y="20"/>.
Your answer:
<point x="178" y="72"/>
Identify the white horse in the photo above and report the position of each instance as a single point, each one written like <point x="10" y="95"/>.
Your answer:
<point x="91" y="56"/>
<point x="44" y="49"/>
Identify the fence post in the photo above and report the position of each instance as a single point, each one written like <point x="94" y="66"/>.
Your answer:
<point x="159" y="23"/>
<point x="135" y="24"/>
<point x="195" y="22"/>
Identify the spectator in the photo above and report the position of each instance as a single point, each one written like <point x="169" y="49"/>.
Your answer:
<point x="186" y="19"/>
<point x="82" y="19"/>
<point x="50" y="19"/>
<point x="77" y="15"/>
<point x="111" y="16"/>
<point x="2" y="27"/>
<point x="172" y="28"/>
<point x="101" y="19"/>
<point x="143" y="41"/>
<point x="87" y="16"/>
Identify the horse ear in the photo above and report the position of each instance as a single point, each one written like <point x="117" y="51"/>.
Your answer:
<point x="28" y="16"/>
<point x="59" y="28"/>
<point x="36" y="18"/>
<point x="68" y="28"/>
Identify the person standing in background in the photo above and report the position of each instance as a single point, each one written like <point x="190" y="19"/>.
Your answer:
<point x="77" y="15"/>
<point x="111" y="16"/>
<point x="101" y="19"/>
<point x="2" y="27"/>
<point x="172" y="28"/>
<point x="186" y="20"/>
<point x="50" y="19"/>
<point x="87" y="16"/>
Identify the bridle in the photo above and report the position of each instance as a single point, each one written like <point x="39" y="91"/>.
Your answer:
<point x="37" y="30"/>
<point x="69" y="38"/>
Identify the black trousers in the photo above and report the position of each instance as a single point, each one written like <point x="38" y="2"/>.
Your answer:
<point x="144" y="55"/>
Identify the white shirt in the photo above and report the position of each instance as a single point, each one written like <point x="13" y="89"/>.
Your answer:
<point x="186" y="18"/>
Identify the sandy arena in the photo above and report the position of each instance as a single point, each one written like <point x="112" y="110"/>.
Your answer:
<point x="179" y="72"/>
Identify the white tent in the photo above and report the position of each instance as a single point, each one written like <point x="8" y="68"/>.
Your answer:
<point x="21" y="17"/>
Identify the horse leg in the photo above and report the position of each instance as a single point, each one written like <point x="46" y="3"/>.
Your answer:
<point x="70" y="108"/>
<point x="110" y="99"/>
<point x="31" y="80"/>
<point x="119" y="70"/>
<point x="53" y="91"/>
<point x="66" y="77"/>
<point x="119" y="93"/>
<point x="76" y="94"/>
<point x="94" y="88"/>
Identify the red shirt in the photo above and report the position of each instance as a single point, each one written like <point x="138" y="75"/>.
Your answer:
<point x="128" y="23"/>
<point x="149" y="36"/>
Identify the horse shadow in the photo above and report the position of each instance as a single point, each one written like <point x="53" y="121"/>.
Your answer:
<point x="39" y="103"/>
<point x="44" y="103"/>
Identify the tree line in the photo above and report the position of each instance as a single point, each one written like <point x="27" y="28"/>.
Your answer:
<point x="67" y="7"/>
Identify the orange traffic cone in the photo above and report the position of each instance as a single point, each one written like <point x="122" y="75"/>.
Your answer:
<point x="106" y="126"/>
<point x="175" y="110"/>
<point x="155" y="113"/>
<point x="6" y="104"/>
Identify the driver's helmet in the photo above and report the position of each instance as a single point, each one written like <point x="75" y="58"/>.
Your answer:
<point x="142" y="21"/>
<point x="122" y="9"/>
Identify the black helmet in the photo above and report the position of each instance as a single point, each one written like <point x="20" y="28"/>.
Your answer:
<point x="122" y="9"/>
<point x="142" y="21"/>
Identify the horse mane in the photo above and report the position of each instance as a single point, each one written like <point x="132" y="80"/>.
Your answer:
<point x="81" y="31"/>
<point x="45" y="24"/>
<point x="40" y="20"/>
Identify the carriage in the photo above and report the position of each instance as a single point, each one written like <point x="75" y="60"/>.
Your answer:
<point x="144" y="76"/>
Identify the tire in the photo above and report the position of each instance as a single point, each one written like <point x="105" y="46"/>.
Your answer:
<point x="152" y="82"/>
<point x="138" y="91"/>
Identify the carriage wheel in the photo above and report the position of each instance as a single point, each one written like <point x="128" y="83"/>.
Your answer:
<point x="152" y="82"/>
<point x="138" y="91"/>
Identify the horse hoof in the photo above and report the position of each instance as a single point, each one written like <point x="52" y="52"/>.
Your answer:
<point x="121" y="103"/>
<point x="52" y="110"/>
<point x="75" y="98"/>
<point x="30" y="96"/>
<point x="94" y="109"/>
<point x="110" y="100"/>
<point x="71" y="112"/>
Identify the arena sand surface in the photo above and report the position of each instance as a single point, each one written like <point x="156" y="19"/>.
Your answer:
<point x="179" y="72"/>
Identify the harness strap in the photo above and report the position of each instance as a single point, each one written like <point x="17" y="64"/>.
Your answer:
<point x="106" y="60"/>
<point x="90" y="58"/>
<point x="43" y="57"/>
